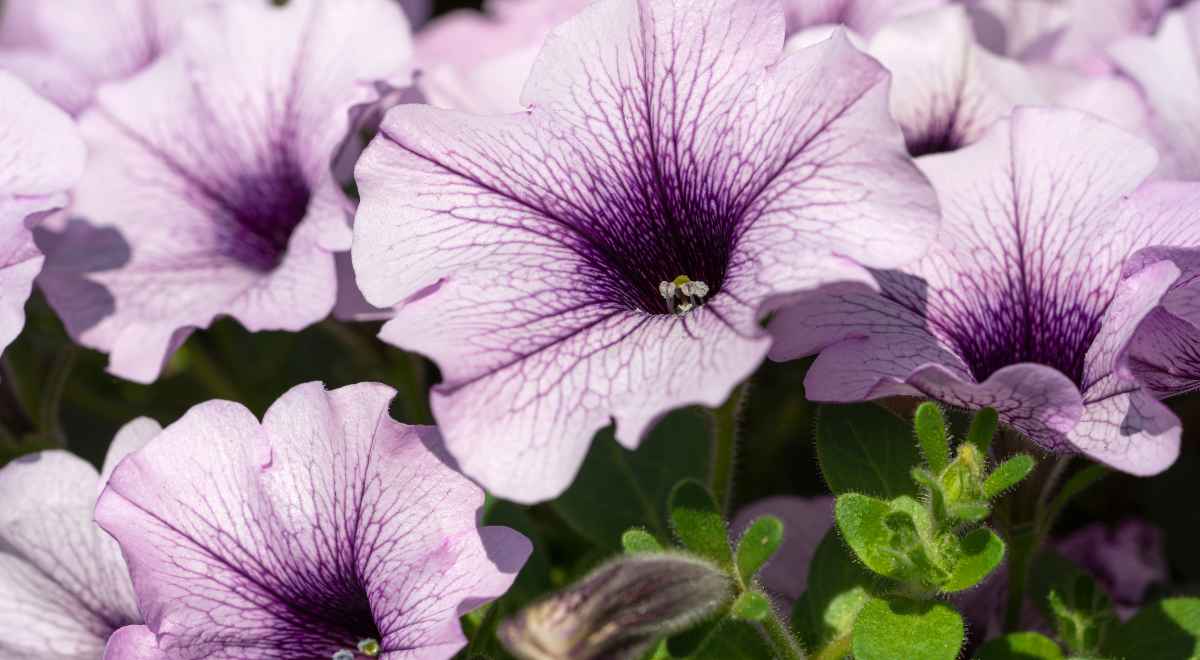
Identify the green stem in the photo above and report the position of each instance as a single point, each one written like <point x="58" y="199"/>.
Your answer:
<point x="724" y="447"/>
<point x="784" y="642"/>
<point x="1025" y="539"/>
<point x="56" y="384"/>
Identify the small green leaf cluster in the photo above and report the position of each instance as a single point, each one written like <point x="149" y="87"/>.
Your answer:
<point x="1085" y="625"/>
<point x="912" y="516"/>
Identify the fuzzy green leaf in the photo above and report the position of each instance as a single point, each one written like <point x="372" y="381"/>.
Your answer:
<point x="750" y="606"/>
<point x="930" y="426"/>
<point x="639" y="540"/>
<point x="863" y="522"/>
<point x="1020" y="646"/>
<point x="901" y="628"/>
<point x="863" y="448"/>
<point x="1007" y="474"/>
<point x="838" y="587"/>
<point x="760" y="542"/>
<point x="698" y="522"/>
<point x="981" y="552"/>
<point x="983" y="429"/>
<point x="1167" y="629"/>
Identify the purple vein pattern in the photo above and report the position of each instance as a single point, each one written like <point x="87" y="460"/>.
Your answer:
<point x="209" y="183"/>
<point x="479" y="62"/>
<point x="1021" y="305"/>
<point x="65" y="585"/>
<point x="41" y="157"/>
<point x="664" y="139"/>
<point x="325" y="525"/>
<point x="66" y="49"/>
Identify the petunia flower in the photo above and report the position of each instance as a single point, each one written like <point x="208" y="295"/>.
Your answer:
<point x="667" y="142"/>
<point x="326" y="530"/>
<point x="1072" y="33"/>
<point x="479" y="62"/>
<point x="1167" y="68"/>
<point x="947" y="90"/>
<point x="43" y="158"/>
<point x="209" y="183"/>
<point x="66" y="588"/>
<point x="1021" y="304"/>
<point x="67" y="48"/>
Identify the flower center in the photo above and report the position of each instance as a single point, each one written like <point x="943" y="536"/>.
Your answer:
<point x="683" y="294"/>
<point x="262" y="212"/>
<point x="368" y="647"/>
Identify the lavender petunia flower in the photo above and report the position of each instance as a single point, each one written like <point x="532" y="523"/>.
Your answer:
<point x="67" y="48"/>
<point x="65" y="585"/>
<point x="326" y="528"/>
<point x="1021" y="305"/>
<point x="607" y="255"/>
<point x="806" y="520"/>
<point x="1167" y="68"/>
<point x="863" y="17"/>
<point x="1073" y="33"/>
<point x="43" y="157"/>
<point x="212" y="169"/>
<point x="479" y="62"/>
<point x="947" y="90"/>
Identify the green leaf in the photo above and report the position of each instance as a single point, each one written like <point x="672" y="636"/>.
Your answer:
<point x="862" y="521"/>
<point x="838" y="588"/>
<point x="750" y="606"/>
<point x="617" y="489"/>
<point x="930" y="426"/>
<point x="901" y="628"/>
<point x="735" y="640"/>
<point x="698" y="522"/>
<point x="983" y="429"/>
<point x="981" y="552"/>
<point x="1164" y="630"/>
<point x="863" y="448"/>
<point x="1020" y="646"/>
<point x="1080" y="610"/>
<point x="760" y="542"/>
<point x="969" y="511"/>
<point x="639" y="540"/>
<point x="1007" y="474"/>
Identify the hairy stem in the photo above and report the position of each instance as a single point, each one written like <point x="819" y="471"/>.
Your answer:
<point x="782" y="640"/>
<point x="723" y="459"/>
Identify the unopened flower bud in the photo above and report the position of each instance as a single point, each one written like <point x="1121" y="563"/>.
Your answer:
<point x="619" y="610"/>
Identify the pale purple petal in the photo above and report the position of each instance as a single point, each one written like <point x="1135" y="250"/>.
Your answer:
<point x="65" y="585"/>
<point x="133" y="643"/>
<point x="1127" y="559"/>
<point x="530" y="248"/>
<point x="326" y="524"/>
<point x="41" y="157"/>
<point x="806" y="520"/>
<point x="864" y="17"/>
<point x="1167" y="68"/>
<point x="479" y="62"/>
<point x="67" y="48"/>
<point x="212" y="168"/>
<point x="1023" y="305"/>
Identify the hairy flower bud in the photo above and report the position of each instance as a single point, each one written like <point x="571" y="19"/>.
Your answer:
<point x="618" y="610"/>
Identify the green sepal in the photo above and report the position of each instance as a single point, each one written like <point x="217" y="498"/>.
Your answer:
<point x="639" y="540"/>
<point x="1007" y="474"/>
<point x="983" y="429"/>
<point x="930" y="426"/>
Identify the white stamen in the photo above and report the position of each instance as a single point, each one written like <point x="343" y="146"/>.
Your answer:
<point x="683" y="295"/>
<point x="667" y="289"/>
<point x="684" y="308"/>
<point x="697" y="289"/>
<point x="343" y="654"/>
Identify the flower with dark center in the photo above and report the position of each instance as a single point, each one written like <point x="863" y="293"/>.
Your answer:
<point x="67" y="49"/>
<point x="664" y="138"/>
<point x="41" y="157"/>
<point x="1023" y="304"/>
<point x="209" y="172"/>
<point x="327" y="530"/>
<point x="66" y="588"/>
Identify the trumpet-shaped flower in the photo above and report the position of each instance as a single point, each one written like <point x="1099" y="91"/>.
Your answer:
<point x="66" y="589"/>
<point x="1021" y="304"/>
<point x="608" y="254"/>
<point x="209" y="188"/>
<point x="66" y="49"/>
<point x="328" y="530"/>
<point x="43" y="158"/>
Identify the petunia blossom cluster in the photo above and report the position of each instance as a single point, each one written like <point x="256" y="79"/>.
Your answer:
<point x="587" y="214"/>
